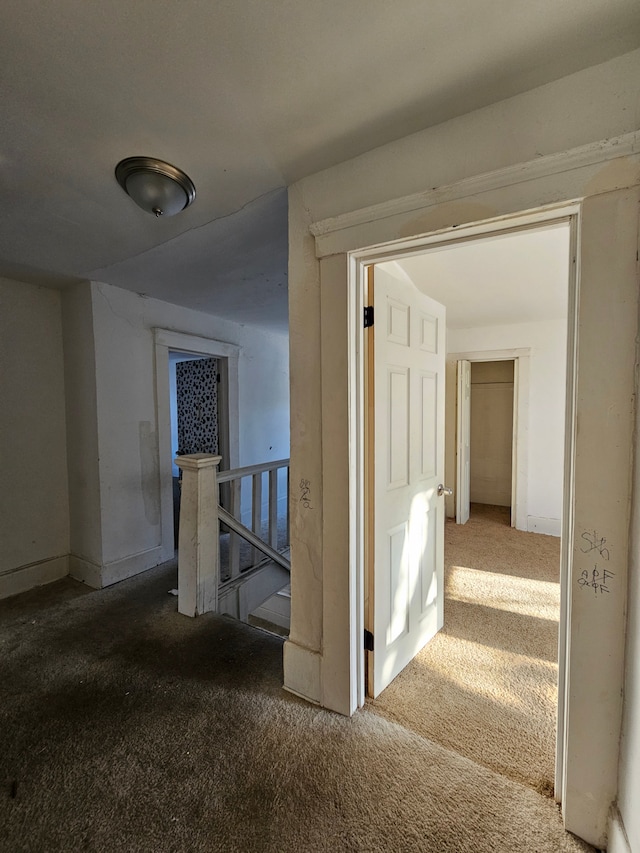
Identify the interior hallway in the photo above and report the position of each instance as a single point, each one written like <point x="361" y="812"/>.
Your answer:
<point x="486" y="685"/>
<point x="125" y="726"/>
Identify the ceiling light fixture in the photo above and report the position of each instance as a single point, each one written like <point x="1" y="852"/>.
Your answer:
<point x="155" y="186"/>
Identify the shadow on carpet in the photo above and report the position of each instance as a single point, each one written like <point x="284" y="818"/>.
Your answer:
<point x="125" y="726"/>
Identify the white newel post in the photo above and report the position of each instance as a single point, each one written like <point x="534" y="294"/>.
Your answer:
<point x="198" y="540"/>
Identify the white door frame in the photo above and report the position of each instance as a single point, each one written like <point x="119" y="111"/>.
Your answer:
<point x="520" y="447"/>
<point x="165" y="340"/>
<point x="358" y="260"/>
<point x="462" y="441"/>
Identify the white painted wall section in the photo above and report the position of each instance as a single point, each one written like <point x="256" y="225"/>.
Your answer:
<point x="34" y="499"/>
<point x="82" y="435"/>
<point x="625" y="832"/>
<point x="130" y="465"/>
<point x="591" y="105"/>
<point x="585" y="109"/>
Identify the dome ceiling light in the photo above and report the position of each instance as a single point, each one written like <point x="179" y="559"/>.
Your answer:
<point x="155" y="186"/>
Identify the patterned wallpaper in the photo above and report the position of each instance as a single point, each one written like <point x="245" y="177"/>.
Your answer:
<point x="197" y="398"/>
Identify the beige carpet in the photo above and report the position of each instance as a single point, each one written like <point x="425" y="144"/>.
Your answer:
<point x="486" y="685"/>
<point x="127" y="727"/>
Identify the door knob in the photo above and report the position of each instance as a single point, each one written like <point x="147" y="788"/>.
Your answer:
<point x="443" y="490"/>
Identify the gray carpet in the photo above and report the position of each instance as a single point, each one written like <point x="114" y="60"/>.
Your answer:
<point x="126" y="727"/>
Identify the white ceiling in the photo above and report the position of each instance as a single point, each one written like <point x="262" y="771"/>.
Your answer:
<point x="519" y="277"/>
<point x="246" y="96"/>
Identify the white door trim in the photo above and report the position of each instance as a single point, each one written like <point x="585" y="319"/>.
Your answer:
<point x="356" y="271"/>
<point x="520" y="471"/>
<point x="165" y="340"/>
<point x="335" y="234"/>
<point x="517" y="423"/>
<point x="568" y="514"/>
<point x="462" y="440"/>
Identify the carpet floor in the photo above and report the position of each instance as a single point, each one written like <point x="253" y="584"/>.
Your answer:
<point x="127" y="727"/>
<point x="486" y="685"/>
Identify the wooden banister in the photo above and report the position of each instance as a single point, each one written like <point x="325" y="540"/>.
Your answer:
<point x="254" y="540"/>
<point x="250" y="470"/>
<point x="200" y="517"/>
<point x="198" y="541"/>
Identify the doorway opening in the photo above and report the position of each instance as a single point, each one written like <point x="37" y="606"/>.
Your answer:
<point x="486" y="440"/>
<point x="491" y="441"/>
<point x="505" y="296"/>
<point x="198" y="403"/>
<point x="171" y="350"/>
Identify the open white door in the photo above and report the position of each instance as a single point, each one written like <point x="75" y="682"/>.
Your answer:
<point x="463" y="442"/>
<point x="408" y="538"/>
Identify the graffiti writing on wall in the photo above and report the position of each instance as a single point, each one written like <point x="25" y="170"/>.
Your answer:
<point x="597" y="577"/>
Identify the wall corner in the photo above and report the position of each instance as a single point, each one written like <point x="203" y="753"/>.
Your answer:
<point x="302" y="672"/>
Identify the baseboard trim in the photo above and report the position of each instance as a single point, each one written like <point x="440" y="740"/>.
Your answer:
<point x="98" y="577"/>
<point x="127" y="567"/>
<point x="618" y="841"/>
<point x="85" y="571"/>
<point x="24" y="578"/>
<point x="548" y="526"/>
<point x="302" y="672"/>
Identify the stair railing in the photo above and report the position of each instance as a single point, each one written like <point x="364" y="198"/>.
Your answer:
<point x="199" y="577"/>
<point x="255" y="473"/>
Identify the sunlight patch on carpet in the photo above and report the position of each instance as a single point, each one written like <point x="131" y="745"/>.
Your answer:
<point x="529" y="597"/>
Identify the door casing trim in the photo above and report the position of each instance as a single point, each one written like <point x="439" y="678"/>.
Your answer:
<point x="357" y="262"/>
<point x="165" y="340"/>
<point x="520" y="357"/>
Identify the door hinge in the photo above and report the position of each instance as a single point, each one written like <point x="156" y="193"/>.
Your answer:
<point x="368" y="316"/>
<point x="368" y="641"/>
<point x="217" y="377"/>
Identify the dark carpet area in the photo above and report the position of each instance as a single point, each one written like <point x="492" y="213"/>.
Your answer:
<point x="127" y="727"/>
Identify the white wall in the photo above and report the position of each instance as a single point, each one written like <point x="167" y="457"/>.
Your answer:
<point x="591" y="105"/>
<point x="34" y="502"/>
<point x="264" y="397"/>
<point x="487" y="147"/>
<point x="629" y="781"/>
<point x="628" y="818"/>
<point x="123" y="324"/>
<point x="82" y="427"/>
<point x="547" y="384"/>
